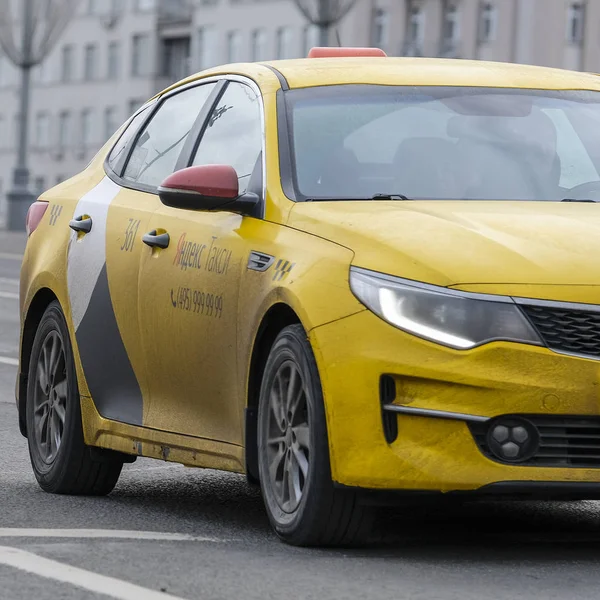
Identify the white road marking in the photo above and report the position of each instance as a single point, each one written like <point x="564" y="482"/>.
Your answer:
<point x="115" y="534"/>
<point x="87" y="580"/>
<point x="10" y="295"/>
<point x="6" y="360"/>
<point x="7" y="256"/>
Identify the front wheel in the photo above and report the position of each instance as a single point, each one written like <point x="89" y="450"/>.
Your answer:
<point x="61" y="461"/>
<point x="304" y="507"/>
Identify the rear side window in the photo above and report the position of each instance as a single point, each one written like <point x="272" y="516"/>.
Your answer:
<point x="117" y="156"/>
<point x="158" y="147"/>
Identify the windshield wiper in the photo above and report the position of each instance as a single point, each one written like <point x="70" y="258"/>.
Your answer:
<point x="578" y="200"/>
<point x="390" y="197"/>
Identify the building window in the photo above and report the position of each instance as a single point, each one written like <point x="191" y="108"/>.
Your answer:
<point x="86" y="127"/>
<point x="381" y="22"/>
<point x="284" y="43"/>
<point x="259" y="45"/>
<point x="110" y="122"/>
<point x="90" y="62"/>
<point x="176" y="58"/>
<point x="40" y="185"/>
<point x="134" y="105"/>
<point x="145" y="5"/>
<point x="575" y="23"/>
<point x="487" y="23"/>
<point x="416" y="24"/>
<point x="450" y="30"/>
<point x="66" y="70"/>
<point x="64" y="130"/>
<point x="42" y="130"/>
<point x="113" y="60"/>
<point x="415" y="30"/>
<point x="234" y="46"/>
<point x="207" y="44"/>
<point x="3" y="64"/>
<point x="310" y="38"/>
<point x="139" y="55"/>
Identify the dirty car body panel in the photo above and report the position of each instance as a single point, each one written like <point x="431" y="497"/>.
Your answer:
<point x="167" y="340"/>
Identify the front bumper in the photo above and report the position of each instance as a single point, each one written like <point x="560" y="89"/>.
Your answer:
<point x="432" y="453"/>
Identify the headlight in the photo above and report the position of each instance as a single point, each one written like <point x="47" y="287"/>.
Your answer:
<point x="451" y="318"/>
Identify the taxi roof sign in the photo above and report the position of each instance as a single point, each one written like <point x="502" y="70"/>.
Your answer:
<point x="334" y="52"/>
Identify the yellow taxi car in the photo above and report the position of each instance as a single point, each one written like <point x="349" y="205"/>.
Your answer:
<point x="339" y="275"/>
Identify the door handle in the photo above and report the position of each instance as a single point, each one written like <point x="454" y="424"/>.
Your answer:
<point x="153" y="239"/>
<point x="81" y="224"/>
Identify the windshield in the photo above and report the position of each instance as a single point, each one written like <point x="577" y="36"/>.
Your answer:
<point x="443" y="143"/>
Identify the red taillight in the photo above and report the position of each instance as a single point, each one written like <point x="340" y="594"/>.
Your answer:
<point x="34" y="215"/>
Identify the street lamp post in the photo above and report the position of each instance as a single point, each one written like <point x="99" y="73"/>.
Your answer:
<point x="20" y="198"/>
<point x="324" y="14"/>
<point x="41" y="24"/>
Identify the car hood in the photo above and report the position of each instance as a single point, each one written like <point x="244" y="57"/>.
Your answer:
<point x="468" y="242"/>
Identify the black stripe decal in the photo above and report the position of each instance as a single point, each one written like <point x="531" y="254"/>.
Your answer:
<point x="110" y="377"/>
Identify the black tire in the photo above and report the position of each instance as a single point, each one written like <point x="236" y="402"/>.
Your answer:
<point x="73" y="467"/>
<point x="324" y="515"/>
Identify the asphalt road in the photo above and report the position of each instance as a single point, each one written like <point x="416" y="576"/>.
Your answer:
<point x="220" y="545"/>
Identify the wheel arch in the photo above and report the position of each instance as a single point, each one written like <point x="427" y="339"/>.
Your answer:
<point x="40" y="302"/>
<point x="278" y="317"/>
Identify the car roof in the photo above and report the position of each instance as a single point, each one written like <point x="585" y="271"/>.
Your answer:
<point x="309" y="72"/>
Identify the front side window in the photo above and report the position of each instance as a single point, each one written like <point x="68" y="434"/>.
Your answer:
<point x="158" y="147"/>
<point x="444" y="143"/>
<point x="234" y="133"/>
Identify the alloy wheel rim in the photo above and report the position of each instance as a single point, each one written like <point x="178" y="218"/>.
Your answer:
<point x="50" y="398"/>
<point x="288" y="439"/>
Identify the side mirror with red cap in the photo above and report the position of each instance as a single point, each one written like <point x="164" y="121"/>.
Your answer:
<point x="206" y="187"/>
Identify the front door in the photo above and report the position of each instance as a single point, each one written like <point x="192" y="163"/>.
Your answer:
<point x="189" y="292"/>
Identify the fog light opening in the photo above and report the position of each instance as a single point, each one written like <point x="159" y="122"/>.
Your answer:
<point x="512" y="439"/>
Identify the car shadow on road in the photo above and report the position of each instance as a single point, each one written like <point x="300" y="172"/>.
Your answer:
<point x="204" y="502"/>
<point x="456" y="529"/>
<point x="481" y="532"/>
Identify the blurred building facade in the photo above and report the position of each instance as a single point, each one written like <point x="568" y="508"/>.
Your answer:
<point x="117" y="53"/>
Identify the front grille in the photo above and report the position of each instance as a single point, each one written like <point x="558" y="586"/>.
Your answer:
<point x="567" y="330"/>
<point x="564" y="441"/>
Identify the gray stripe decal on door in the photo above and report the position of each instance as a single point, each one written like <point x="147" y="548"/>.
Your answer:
<point x="110" y="377"/>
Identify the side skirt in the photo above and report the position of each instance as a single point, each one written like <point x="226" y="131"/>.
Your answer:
<point x="162" y="445"/>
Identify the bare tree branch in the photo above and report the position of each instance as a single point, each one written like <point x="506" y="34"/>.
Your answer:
<point x="49" y="18"/>
<point x="324" y="13"/>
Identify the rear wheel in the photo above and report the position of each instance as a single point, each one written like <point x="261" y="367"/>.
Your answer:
<point x="304" y="507"/>
<point x="61" y="461"/>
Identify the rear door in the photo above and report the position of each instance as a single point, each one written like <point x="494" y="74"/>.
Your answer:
<point x="104" y="262"/>
<point x="92" y="273"/>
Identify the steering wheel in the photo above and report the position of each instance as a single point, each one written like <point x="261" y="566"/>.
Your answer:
<point x="589" y="190"/>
